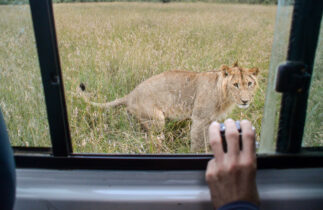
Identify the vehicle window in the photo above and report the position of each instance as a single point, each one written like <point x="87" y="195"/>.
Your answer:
<point x="278" y="55"/>
<point x="21" y="91"/>
<point x="111" y="48"/>
<point x="313" y="133"/>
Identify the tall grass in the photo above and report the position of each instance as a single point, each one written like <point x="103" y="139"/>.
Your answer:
<point x="313" y="133"/>
<point x="21" y="91"/>
<point x="112" y="47"/>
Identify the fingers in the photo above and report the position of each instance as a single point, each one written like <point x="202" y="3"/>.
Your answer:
<point x="232" y="137"/>
<point x="215" y="141"/>
<point x="210" y="170"/>
<point x="248" y="139"/>
<point x="211" y="177"/>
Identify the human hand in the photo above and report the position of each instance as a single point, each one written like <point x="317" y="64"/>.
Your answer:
<point x="231" y="176"/>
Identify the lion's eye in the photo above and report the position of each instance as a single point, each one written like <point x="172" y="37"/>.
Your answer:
<point x="236" y="85"/>
<point x="249" y="84"/>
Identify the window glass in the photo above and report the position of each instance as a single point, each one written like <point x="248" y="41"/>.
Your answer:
<point x="278" y="55"/>
<point x="21" y="91"/>
<point x="111" y="48"/>
<point x="313" y="133"/>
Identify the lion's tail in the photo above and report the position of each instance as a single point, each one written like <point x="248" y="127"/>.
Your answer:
<point x="117" y="102"/>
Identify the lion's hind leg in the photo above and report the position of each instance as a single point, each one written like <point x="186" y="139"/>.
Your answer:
<point x="154" y="126"/>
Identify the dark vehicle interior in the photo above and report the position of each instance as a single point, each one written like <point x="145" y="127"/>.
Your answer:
<point x="56" y="178"/>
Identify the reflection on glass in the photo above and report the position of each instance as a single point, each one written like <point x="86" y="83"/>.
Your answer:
<point x="278" y="55"/>
<point x="113" y="47"/>
<point x="21" y="92"/>
<point x="313" y="133"/>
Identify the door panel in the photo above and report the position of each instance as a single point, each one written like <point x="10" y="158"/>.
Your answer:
<point x="84" y="189"/>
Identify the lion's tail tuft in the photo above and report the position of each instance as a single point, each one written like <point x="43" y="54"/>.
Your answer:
<point x="82" y="86"/>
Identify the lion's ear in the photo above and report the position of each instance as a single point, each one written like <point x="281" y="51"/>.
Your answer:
<point x="254" y="71"/>
<point x="236" y="64"/>
<point x="225" y="70"/>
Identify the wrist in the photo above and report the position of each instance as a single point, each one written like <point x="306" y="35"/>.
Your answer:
<point x="241" y="205"/>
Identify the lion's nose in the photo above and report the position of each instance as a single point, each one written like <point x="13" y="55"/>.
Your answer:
<point x="244" y="102"/>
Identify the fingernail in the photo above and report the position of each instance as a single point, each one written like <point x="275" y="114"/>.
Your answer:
<point x="214" y="122"/>
<point x="229" y="119"/>
<point x="253" y="128"/>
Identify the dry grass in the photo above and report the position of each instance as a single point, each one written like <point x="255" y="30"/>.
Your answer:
<point x="21" y="91"/>
<point x="313" y="133"/>
<point x="112" y="47"/>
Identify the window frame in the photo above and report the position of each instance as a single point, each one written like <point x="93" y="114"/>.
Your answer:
<point x="61" y="156"/>
<point x="305" y="30"/>
<point x="49" y="62"/>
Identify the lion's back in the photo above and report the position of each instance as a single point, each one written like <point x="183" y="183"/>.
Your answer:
<point x="172" y="92"/>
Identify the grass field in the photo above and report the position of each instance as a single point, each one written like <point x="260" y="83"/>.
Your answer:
<point x="313" y="134"/>
<point x="112" y="47"/>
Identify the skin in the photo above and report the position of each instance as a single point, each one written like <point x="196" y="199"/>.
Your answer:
<point x="231" y="176"/>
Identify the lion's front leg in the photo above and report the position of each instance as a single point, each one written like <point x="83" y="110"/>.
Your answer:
<point x="199" y="135"/>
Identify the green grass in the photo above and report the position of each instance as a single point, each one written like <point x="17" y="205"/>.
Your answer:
<point x="313" y="133"/>
<point x="112" y="47"/>
<point x="21" y="91"/>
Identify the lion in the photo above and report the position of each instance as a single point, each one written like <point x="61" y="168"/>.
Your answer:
<point x="200" y="96"/>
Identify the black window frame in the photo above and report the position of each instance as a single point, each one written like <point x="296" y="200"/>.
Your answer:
<point x="307" y="16"/>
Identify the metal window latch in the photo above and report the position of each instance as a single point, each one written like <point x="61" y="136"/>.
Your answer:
<point x="292" y="77"/>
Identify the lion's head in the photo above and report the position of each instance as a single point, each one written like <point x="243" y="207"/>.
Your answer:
<point x="240" y="83"/>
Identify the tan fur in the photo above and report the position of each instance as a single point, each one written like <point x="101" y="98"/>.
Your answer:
<point x="201" y="97"/>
